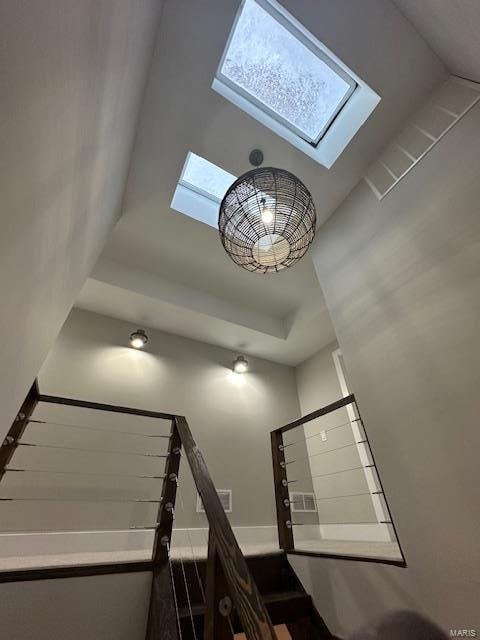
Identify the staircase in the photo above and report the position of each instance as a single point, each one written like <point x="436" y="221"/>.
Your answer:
<point x="222" y="597"/>
<point x="282" y="593"/>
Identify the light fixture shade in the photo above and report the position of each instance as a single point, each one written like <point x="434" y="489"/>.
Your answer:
<point x="138" y="339"/>
<point x="267" y="220"/>
<point x="240" y="364"/>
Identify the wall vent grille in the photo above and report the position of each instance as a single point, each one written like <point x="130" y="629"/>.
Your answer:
<point x="303" y="502"/>
<point x="441" y="111"/>
<point x="225" y="496"/>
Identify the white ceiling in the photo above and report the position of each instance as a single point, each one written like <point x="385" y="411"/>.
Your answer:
<point x="451" y="28"/>
<point x="161" y="269"/>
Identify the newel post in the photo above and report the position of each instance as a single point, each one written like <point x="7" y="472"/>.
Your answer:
<point x="282" y="496"/>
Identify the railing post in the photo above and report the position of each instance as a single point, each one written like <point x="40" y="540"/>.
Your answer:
<point x="282" y="496"/>
<point x="163" y="533"/>
<point x="218" y="605"/>
<point x="242" y="589"/>
<point x="18" y="427"/>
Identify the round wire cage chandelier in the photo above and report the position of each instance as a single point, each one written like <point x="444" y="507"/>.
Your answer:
<point x="267" y="220"/>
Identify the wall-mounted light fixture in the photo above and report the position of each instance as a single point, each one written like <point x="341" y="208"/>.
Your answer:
<point x="240" y="364"/>
<point x="138" y="339"/>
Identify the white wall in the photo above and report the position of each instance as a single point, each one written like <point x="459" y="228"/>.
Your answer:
<point x="230" y="415"/>
<point x="317" y="380"/>
<point x="401" y="278"/>
<point x="71" y="79"/>
<point x="357" y="516"/>
<point x="96" y="607"/>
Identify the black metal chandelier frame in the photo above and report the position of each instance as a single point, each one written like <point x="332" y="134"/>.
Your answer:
<point x="267" y="220"/>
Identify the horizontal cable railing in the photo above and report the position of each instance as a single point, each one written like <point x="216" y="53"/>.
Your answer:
<point x="68" y="465"/>
<point x="325" y="458"/>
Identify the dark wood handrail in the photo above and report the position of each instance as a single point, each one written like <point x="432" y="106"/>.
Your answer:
<point x="242" y="588"/>
<point x="338" y="404"/>
<point x="228" y="576"/>
<point x="100" y="406"/>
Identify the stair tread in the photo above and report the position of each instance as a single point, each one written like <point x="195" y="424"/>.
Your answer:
<point x="268" y="598"/>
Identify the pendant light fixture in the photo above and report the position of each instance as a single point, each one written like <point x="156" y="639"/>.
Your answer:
<point x="267" y="218"/>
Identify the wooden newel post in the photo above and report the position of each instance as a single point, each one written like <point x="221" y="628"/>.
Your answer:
<point x="163" y="534"/>
<point x="282" y="496"/>
<point x="218" y="605"/>
<point x="10" y="443"/>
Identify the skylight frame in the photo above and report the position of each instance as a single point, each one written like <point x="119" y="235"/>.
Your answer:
<point x="286" y="21"/>
<point x="360" y="105"/>
<point x="193" y="201"/>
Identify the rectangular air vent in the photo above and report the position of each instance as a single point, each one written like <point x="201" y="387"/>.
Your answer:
<point x="302" y="502"/>
<point x="225" y="496"/>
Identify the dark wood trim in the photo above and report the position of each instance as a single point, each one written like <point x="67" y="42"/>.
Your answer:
<point x="169" y="493"/>
<point x="51" y="573"/>
<point x="162" y="618"/>
<point x="285" y="535"/>
<point x="15" y="432"/>
<point x="242" y="589"/>
<point x="85" y="404"/>
<point x="216" y="626"/>
<point x="338" y="404"/>
<point x="337" y="556"/>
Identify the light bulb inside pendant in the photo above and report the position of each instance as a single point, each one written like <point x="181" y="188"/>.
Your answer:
<point x="267" y="213"/>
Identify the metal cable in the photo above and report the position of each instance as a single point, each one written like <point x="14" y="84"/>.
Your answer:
<point x="187" y="591"/>
<point x="174" y="591"/>
<point x="321" y="453"/>
<point x="90" y="450"/>
<point x="315" y="435"/>
<point x="200" y="583"/>
<point x="305" y="524"/>
<point x="347" y="495"/>
<point x="147" y="500"/>
<point x="84" y="473"/>
<point x="332" y="473"/>
<point x="97" y="429"/>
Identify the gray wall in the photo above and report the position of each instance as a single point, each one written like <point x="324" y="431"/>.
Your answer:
<point x="317" y="380"/>
<point x="230" y="415"/>
<point x="95" y="607"/>
<point x="401" y="278"/>
<point x="72" y="76"/>
<point x="318" y="386"/>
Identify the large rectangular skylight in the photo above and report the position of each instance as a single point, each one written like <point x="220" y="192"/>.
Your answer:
<point x="274" y="66"/>
<point x="278" y="72"/>
<point x="200" y="189"/>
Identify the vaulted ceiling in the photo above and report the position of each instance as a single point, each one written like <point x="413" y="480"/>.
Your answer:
<point x="164" y="270"/>
<point x="451" y="29"/>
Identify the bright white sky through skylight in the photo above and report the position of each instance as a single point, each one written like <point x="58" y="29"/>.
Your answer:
<point x="205" y="177"/>
<point x="267" y="61"/>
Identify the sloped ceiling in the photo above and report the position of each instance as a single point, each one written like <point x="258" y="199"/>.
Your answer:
<point x="164" y="270"/>
<point x="451" y="29"/>
<point x="72" y="77"/>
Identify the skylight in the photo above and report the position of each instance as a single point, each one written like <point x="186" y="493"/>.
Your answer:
<point x="205" y="177"/>
<point x="200" y="189"/>
<point x="271" y="65"/>
<point x="278" y="72"/>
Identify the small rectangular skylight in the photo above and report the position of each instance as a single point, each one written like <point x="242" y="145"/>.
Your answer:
<point x="273" y="66"/>
<point x="205" y="177"/>
<point x="200" y="189"/>
<point x="277" y="71"/>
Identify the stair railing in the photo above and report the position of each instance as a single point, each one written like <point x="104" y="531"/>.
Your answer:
<point x="230" y="587"/>
<point x="314" y="458"/>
